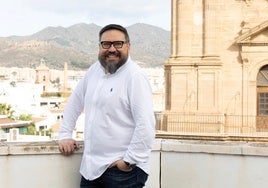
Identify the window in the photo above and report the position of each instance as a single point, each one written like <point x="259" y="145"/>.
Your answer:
<point x="263" y="103"/>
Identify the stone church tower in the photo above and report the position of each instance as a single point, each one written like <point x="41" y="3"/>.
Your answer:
<point x="219" y="58"/>
<point x="43" y="75"/>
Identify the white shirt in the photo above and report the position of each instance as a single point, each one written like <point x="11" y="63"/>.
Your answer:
<point x="119" y="118"/>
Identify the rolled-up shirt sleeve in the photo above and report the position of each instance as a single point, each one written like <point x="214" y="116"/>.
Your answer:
<point x="72" y="111"/>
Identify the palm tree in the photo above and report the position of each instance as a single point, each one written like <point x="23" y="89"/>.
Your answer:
<point x="6" y="110"/>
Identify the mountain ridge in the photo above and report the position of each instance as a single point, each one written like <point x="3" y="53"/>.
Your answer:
<point x="78" y="46"/>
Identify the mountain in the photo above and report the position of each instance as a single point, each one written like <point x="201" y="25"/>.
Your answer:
<point x="78" y="46"/>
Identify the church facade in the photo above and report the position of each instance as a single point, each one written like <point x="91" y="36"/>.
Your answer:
<point x="218" y="64"/>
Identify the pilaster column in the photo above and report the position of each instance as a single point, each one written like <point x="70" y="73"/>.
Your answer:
<point x="211" y="25"/>
<point x="186" y="28"/>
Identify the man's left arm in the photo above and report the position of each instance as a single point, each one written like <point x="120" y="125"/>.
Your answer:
<point x="141" y="103"/>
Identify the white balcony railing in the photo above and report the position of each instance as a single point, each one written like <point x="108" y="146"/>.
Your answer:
<point x="175" y="163"/>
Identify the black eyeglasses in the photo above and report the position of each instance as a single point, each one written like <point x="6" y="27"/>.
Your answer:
<point x="108" y="44"/>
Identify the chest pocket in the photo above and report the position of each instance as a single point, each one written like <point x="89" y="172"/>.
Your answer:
<point x="114" y="98"/>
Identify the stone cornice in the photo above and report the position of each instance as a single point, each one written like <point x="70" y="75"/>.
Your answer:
<point x="194" y="61"/>
<point x="246" y="38"/>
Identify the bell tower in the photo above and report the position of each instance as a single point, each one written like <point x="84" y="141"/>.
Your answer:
<point x="193" y="72"/>
<point x="42" y="75"/>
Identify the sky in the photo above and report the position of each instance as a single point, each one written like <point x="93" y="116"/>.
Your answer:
<point x="26" y="17"/>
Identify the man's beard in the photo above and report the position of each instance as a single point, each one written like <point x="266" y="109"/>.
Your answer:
<point x="112" y="66"/>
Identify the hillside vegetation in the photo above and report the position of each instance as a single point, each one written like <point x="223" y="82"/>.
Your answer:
<point x="78" y="46"/>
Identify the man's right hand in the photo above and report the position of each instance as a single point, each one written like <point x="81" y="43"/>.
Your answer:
<point x="67" y="146"/>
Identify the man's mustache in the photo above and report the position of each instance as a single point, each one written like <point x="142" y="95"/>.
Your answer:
<point x="112" y="53"/>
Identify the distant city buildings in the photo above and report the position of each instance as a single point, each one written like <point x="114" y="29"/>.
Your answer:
<point x="40" y="93"/>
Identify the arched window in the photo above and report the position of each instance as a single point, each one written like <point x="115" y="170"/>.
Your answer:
<point x="262" y="99"/>
<point x="262" y="91"/>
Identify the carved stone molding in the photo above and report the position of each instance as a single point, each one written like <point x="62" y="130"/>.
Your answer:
<point x="248" y="2"/>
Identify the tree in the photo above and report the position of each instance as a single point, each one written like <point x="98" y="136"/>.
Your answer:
<point x="13" y="83"/>
<point x="25" y="117"/>
<point x="31" y="130"/>
<point x="6" y="110"/>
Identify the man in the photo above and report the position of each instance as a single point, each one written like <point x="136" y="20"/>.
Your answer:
<point x="119" y="118"/>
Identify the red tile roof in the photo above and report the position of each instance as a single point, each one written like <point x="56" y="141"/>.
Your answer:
<point x="10" y="123"/>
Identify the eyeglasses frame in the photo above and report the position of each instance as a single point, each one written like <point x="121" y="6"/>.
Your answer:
<point x="112" y="43"/>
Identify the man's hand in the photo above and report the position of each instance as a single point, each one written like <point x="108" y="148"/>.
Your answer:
<point x="67" y="146"/>
<point x="121" y="165"/>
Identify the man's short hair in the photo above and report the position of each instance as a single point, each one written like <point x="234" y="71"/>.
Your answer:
<point x="116" y="27"/>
